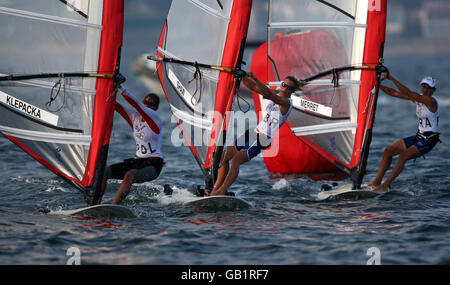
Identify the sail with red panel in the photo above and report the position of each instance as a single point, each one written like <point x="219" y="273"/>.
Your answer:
<point x="335" y="48"/>
<point x="200" y="47"/>
<point x="57" y="83"/>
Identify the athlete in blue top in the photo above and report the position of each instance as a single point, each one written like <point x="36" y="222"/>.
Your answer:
<point x="250" y="144"/>
<point x="427" y="110"/>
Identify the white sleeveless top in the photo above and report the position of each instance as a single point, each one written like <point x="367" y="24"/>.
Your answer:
<point x="428" y="121"/>
<point x="146" y="127"/>
<point x="273" y="119"/>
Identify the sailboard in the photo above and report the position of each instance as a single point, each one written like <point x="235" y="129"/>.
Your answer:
<point x="218" y="203"/>
<point x="335" y="48"/>
<point x="57" y="90"/>
<point x="199" y="53"/>
<point x="104" y="211"/>
<point x="347" y="192"/>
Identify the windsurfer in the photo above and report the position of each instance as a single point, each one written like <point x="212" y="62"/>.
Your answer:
<point x="253" y="141"/>
<point x="148" y="161"/>
<point x="427" y="110"/>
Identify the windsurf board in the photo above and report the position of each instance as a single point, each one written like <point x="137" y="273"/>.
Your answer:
<point x="218" y="203"/>
<point x="106" y="211"/>
<point x="346" y="192"/>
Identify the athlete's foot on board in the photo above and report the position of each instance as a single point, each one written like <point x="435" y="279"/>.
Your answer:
<point x="215" y="193"/>
<point x="371" y="187"/>
<point x="381" y="189"/>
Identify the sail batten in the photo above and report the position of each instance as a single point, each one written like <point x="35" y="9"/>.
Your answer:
<point x="315" y="25"/>
<point x="47" y="137"/>
<point x="47" y="18"/>
<point x="209" y="10"/>
<point x="324" y="128"/>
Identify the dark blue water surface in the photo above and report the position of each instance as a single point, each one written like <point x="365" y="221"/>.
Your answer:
<point x="409" y="225"/>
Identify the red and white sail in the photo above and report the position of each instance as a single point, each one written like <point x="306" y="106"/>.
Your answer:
<point x="208" y="32"/>
<point x="56" y="85"/>
<point x="329" y="131"/>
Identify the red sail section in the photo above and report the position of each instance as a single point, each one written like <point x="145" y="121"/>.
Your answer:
<point x="237" y="32"/>
<point x="375" y="37"/>
<point x="111" y="41"/>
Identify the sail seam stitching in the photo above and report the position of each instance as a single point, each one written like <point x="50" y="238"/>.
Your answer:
<point x="315" y="24"/>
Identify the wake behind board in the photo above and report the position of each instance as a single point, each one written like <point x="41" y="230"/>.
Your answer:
<point x="346" y="192"/>
<point x="218" y="203"/>
<point x="105" y="211"/>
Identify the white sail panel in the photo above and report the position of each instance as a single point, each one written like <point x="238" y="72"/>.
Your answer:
<point x="51" y="54"/>
<point x="325" y="35"/>
<point x="189" y="39"/>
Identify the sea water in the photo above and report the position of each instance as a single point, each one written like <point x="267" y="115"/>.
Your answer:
<point x="409" y="225"/>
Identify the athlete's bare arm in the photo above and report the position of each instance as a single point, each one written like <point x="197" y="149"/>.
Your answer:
<point x="394" y="93"/>
<point x="254" y="84"/>
<point x="429" y="101"/>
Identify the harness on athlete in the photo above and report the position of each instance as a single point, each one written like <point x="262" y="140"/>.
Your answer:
<point x="431" y="138"/>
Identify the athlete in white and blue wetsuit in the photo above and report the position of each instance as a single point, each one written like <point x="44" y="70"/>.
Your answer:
<point x="148" y="161"/>
<point x="427" y="110"/>
<point x="254" y="140"/>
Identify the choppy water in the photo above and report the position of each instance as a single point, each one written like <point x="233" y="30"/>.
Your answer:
<point x="409" y="225"/>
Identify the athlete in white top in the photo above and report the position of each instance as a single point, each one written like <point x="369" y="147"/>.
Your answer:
<point x="427" y="110"/>
<point x="250" y="144"/>
<point x="148" y="161"/>
<point x="273" y="119"/>
<point x="145" y="122"/>
<point x="428" y="121"/>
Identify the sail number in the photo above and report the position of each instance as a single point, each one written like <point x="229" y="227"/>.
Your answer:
<point x="144" y="150"/>
<point x="274" y="121"/>
<point x="180" y="88"/>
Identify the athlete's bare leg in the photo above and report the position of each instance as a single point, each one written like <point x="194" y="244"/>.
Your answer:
<point x="124" y="188"/>
<point x="239" y="158"/>
<point x="224" y="168"/>
<point x="396" y="148"/>
<point x="408" y="154"/>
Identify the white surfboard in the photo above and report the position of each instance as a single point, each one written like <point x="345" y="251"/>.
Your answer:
<point x="346" y="192"/>
<point x="218" y="203"/>
<point x="106" y="211"/>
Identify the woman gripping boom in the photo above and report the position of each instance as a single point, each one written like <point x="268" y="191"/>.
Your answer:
<point x="254" y="140"/>
<point x="427" y="110"/>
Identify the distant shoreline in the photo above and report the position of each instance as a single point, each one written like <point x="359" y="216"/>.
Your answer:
<point x="417" y="46"/>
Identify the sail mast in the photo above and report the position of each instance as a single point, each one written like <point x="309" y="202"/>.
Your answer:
<point x="374" y="51"/>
